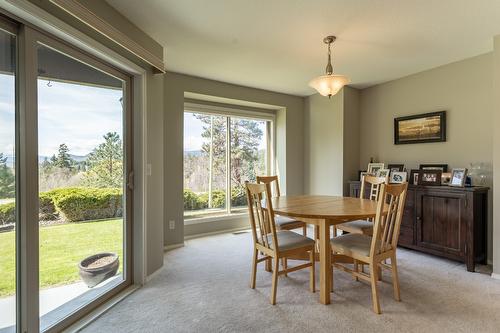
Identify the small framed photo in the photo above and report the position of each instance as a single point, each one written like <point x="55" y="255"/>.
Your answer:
<point x="384" y="173"/>
<point x="445" y="178"/>
<point x="442" y="167"/>
<point x="430" y="177"/>
<point x="414" y="174"/>
<point x="398" y="177"/>
<point x="458" y="177"/>
<point x="373" y="168"/>
<point x="396" y="167"/>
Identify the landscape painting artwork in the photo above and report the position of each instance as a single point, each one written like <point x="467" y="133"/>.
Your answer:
<point x="428" y="127"/>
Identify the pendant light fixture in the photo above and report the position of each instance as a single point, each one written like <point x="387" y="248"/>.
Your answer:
<point x="329" y="84"/>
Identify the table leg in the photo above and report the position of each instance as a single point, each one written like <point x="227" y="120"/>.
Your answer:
<point x="325" y="262"/>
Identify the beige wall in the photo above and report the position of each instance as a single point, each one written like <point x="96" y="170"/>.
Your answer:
<point x="323" y="163"/>
<point x="331" y="142"/>
<point x="464" y="89"/>
<point x="351" y="136"/>
<point x="496" y="157"/>
<point x="289" y="144"/>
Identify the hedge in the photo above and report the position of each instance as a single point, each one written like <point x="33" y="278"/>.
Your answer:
<point x="72" y="204"/>
<point x="81" y="204"/>
<point x="193" y="201"/>
<point x="8" y="213"/>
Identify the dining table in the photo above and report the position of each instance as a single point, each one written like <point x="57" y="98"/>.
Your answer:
<point x="324" y="211"/>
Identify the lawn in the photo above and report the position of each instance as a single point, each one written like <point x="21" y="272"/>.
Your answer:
<point x="61" y="249"/>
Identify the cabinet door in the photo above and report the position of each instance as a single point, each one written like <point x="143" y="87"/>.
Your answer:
<point x="441" y="222"/>
<point x="407" y="231"/>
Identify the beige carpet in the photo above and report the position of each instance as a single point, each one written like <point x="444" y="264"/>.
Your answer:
<point x="203" y="287"/>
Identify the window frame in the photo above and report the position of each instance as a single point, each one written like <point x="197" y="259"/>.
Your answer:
<point x="232" y="112"/>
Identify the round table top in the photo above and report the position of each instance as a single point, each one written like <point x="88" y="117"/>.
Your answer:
<point x="324" y="207"/>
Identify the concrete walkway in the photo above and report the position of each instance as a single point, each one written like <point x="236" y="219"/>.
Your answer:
<point x="50" y="299"/>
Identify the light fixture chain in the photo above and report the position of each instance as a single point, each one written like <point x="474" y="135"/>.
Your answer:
<point x="329" y="67"/>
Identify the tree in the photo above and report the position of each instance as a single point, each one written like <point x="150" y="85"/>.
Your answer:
<point x="7" y="179"/>
<point x="245" y="139"/>
<point x="105" y="163"/>
<point x="63" y="159"/>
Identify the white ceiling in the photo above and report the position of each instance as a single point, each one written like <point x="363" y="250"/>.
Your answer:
<point x="277" y="44"/>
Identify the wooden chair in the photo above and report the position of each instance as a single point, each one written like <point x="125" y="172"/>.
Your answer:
<point x="374" y="250"/>
<point x="364" y="226"/>
<point x="274" y="244"/>
<point x="282" y="222"/>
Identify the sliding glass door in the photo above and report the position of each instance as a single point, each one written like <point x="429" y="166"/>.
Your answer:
<point x="8" y="215"/>
<point x="65" y="181"/>
<point x="81" y="177"/>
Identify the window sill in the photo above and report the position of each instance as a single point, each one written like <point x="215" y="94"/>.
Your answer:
<point x="205" y="219"/>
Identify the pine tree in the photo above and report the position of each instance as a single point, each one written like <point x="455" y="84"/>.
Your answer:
<point x="105" y="163"/>
<point x="7" y="179"/>
<point x="63" y="159"/>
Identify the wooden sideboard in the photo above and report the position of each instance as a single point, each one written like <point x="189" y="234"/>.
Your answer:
<point x="444" y="221"/>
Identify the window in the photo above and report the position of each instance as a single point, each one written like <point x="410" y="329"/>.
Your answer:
<point x="221" y="152"/>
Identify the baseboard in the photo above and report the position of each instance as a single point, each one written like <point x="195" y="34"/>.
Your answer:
<point x="495" y="276"/>
<point x="153" y="275"/>
<point x="171" y="247"/>
<point x="225" y="231"/>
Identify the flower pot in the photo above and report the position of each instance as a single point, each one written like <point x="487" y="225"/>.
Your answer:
<point x="98" y="267"/>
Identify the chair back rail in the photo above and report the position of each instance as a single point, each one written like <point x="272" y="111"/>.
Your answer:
<point x="261" y="220"/>
<point x="268" y="180"/>
<point x="374" y="183"/>
<point x="386" y="227"/>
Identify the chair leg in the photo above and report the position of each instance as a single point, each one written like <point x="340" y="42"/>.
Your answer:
<point x="356" y="269"/>
<point x="379" y="275"/>
<point x="312" y="275"/>
<point x="284" y="262"/>
<point x="373" y="281"/>
<point x="254" y="269"/>
<point x="269" y="265"/>
<point x="395" y="278"/>
<point x="335" y="231"/>
<point x="304" y="230"/>
<point x="331" y="283"/>
<point x="275" y="281"/>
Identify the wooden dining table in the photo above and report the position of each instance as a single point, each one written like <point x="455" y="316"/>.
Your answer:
<point x="324" y="212"/>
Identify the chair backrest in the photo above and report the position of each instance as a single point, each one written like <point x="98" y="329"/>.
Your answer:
<point x="386" y="226"/>
<point x="268" y="180"/>
<point x="261" y="219"/>
<point x="374" y="183"/>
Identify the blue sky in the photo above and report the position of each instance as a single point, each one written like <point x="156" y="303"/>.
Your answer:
<point x="77" y="115"/>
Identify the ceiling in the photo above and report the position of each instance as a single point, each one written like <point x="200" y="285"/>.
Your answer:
<point x="277" y="44"/>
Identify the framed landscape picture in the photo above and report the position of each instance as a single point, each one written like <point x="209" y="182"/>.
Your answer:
<point x="426" y="127"/>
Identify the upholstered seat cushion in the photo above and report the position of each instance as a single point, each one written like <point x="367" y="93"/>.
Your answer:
<point x="357" y="227"/>
<point x="352" y="244"/>
<point x="289" y="240"/>
<point x="283" y="221"/>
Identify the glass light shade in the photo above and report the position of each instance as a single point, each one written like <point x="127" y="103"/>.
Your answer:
<point x="329" y="85"/>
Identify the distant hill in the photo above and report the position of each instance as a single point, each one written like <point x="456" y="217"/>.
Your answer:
<point x="78" y="158"/>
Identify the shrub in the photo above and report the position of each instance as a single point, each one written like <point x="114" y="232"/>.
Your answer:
<point x="191" y="200"/>
<point x="47" y="210"/>
<point x="8" y="213"/>
<point x="238" y="197"/>
<point x="81" y="204"/>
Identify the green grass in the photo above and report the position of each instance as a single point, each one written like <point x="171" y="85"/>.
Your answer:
<point x="62" y="247"/>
